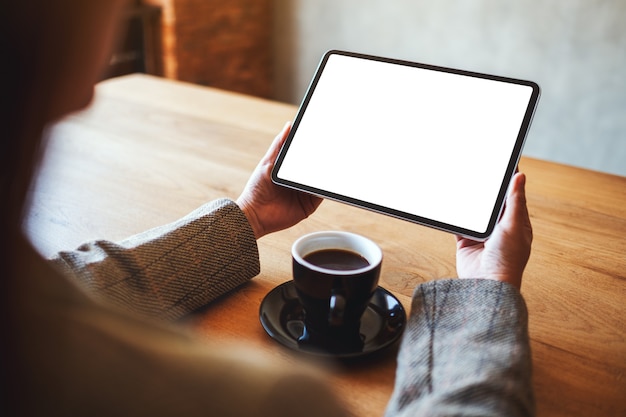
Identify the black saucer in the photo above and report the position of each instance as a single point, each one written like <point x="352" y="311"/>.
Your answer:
<point x="381" y="325"/>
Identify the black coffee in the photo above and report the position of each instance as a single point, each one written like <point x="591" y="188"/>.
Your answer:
<point x="337" y="259"/>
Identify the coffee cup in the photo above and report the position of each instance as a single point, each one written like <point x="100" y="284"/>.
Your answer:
<point x="335" y="274"/>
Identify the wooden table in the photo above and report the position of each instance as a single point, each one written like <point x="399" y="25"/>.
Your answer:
<point x="149" y="151"/>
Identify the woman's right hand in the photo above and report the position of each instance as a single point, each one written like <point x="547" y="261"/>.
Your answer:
<point x="505" y="254"/>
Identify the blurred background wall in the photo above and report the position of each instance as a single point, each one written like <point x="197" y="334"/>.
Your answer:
<point x="574" y="49"/>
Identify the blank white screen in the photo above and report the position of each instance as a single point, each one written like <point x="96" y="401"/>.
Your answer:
<point x="429" y="143"/>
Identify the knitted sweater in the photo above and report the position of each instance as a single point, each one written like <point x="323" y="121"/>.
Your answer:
<point x="465" y="350"/>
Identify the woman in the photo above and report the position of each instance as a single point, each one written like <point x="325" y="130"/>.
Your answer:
<point x="71" y="346"/>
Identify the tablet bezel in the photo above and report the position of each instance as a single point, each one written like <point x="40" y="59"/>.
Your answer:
<point x="451" y="228"/>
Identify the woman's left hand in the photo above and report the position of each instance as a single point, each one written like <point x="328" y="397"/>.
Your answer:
<point x="269" y="207"/>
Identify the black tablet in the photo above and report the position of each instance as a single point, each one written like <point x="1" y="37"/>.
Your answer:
<point x="432" y="145"/>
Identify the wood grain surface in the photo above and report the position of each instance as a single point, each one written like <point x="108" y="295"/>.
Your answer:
<point x="150" y="150"/>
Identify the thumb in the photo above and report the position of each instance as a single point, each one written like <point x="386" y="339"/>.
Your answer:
<point x="278" y="142"/>
<point x="516" y="212"/>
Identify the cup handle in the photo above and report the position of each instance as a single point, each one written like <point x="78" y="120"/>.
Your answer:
<point x="336" y="308"/>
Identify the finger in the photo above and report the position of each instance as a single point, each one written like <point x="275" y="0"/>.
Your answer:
<point x="277" y="143"/>
<point x="516" y="212"/>
<point x="463" y="242"/>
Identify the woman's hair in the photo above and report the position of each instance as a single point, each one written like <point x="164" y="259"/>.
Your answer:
<point x="53" y="52"/>
<point x="23" y="100"/>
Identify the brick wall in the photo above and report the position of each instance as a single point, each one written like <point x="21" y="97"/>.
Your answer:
<point x="224" y="44"/>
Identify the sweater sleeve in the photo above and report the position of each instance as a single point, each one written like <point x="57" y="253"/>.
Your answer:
<point x="465" y="352"/>
<point x="171" y="270"/>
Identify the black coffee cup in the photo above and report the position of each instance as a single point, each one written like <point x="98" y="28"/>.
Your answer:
<point x="335" y="274"/>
